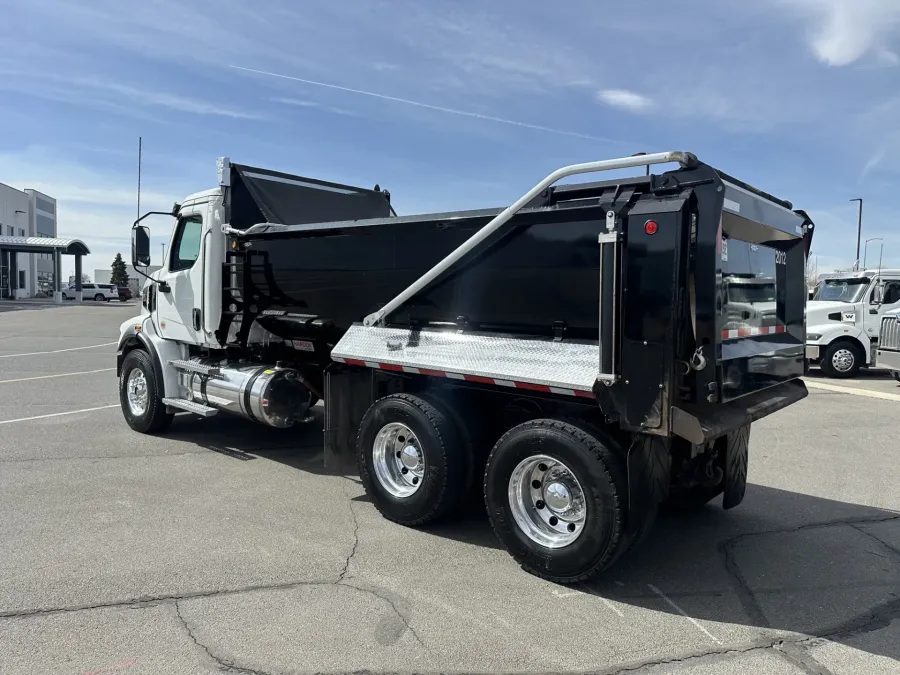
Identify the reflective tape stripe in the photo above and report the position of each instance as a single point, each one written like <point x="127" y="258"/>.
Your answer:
<point x="751" y="331"/>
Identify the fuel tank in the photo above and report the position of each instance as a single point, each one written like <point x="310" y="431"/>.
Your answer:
<point x="271" y="395"/>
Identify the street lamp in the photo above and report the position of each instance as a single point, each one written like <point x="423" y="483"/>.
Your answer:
<point x="858" y="229"/>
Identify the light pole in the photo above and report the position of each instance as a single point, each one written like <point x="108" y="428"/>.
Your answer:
<point x="858" y="229"/>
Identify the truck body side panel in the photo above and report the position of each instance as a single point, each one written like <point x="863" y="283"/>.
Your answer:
<point x="649" y="300"/>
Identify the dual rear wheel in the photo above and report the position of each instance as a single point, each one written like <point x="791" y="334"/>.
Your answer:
<point x="555" y="493"/>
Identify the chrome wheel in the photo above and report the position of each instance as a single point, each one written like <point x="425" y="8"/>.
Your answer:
<point x="136" y="390"/>
<point x="547" y="501"/>
<point x="843" y="360"/>
<point x="398" y="460"/>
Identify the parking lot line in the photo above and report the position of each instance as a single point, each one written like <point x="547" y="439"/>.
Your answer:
<point x="46" y="377"/>
<point x="854" y="391"/>
<point x="678" y="609"/>
<point x="59" y="414"/>
<point x="58" y="351"/>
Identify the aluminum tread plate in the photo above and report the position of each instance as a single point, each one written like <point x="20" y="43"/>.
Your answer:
<point x="543" y="362"/>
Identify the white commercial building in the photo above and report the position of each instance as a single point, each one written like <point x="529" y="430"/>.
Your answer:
<point x="26" y="214"/>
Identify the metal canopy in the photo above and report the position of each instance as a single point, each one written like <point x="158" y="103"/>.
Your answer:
<point x="44" y="244"/>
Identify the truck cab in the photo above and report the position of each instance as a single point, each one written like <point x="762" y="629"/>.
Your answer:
<point x="843" y="319"/>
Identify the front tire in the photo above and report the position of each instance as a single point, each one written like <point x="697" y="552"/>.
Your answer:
<point x="412" y="459"/>
<point x="841" y="359"/>
<point x="139" y="395"/>
<point x="556" y="497"/>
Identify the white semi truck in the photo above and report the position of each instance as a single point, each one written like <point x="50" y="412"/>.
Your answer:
<point x="844" y="319"/>
<point x="573" y="359"/>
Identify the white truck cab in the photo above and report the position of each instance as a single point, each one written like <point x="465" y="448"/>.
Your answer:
<point x="843" y="319"/>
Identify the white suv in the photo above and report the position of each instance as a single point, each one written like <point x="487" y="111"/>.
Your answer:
<point x="98" y="292"/>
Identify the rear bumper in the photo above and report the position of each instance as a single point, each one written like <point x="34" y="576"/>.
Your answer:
<point x="700" y="424"/>
<point x="887" y="358"/>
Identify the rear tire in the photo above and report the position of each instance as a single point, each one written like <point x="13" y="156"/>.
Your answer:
<point x="591" y="504"/>
<point x="139" y="395"/>
<point x="841" y="359"/>
<point x="99" y="297"/>
<point x="413" y="460"/>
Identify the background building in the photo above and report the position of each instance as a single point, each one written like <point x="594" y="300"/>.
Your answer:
<point x="43" y="224"/>
<point x="27" y="213"/>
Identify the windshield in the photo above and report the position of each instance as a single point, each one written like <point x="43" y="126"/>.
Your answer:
<point x="751" y="293"/>
<point x="842" y="290"/>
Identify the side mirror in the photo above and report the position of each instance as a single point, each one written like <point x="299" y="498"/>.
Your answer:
<point x="140" y="246"/>
<point x="878" y="294"/>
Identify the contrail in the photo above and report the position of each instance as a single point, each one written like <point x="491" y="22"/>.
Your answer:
<point x="419" y="104"/>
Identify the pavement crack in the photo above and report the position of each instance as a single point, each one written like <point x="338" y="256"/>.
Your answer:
<point x="744" y="591"/>
<point x="719" y="652"/>
<point x="794" y="653"/>
<point x="223" y="663"/>
<point x="874" y="619"/>
<point x="394" y="602"/>
<point x="156" y="599"/>
<point x="346" y="568"/>
<point x="890" y="547"/>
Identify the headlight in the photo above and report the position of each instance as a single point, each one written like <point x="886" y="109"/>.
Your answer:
<point x="813" y="337"/>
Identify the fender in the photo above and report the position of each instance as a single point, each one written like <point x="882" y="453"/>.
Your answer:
<point x="161" y="352"/>
<point x="833" y="331"/>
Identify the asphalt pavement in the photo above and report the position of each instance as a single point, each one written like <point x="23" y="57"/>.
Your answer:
<point x="221" y="546"/>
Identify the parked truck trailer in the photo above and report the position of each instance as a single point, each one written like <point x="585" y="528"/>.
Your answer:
<point x="572" y="358"/>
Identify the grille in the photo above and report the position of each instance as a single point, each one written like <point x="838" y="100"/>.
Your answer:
<point x="890" y="333"/>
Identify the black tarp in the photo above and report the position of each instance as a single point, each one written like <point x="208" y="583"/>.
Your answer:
<point x="265" y="196"/>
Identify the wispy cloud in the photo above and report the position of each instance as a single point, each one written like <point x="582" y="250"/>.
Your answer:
<point x="429" y="106"/>
<point x="624" y="99"/>
<point x="146" y="97"/>
<point x="301" y="103"/>
<point x="841" y="32"/>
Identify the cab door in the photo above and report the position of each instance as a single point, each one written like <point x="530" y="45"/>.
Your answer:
<point x="179" y="291"/>
<point x="890" y="300"/>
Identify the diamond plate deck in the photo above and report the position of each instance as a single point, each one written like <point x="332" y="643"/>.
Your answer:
<point x="544" y="362"/>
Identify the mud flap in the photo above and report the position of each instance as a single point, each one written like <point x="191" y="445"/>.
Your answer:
<point x="649" y="464"/>
<point x="736" y="458"/>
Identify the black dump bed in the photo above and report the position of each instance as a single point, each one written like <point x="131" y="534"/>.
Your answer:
<point x="706" y="292"/>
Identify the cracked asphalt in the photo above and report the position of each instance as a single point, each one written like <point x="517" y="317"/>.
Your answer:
<point x="224" y="547"/>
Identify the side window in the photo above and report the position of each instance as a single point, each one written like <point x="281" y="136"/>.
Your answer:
<point x="186" y="245"/>
<point x="891" y="293"/>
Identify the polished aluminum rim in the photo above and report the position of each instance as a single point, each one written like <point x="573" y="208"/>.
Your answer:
<point x="398" y="460"/>
<point x="843" y="360"/>
<point x="547" y="501"/>
<point x="136" y="390"/>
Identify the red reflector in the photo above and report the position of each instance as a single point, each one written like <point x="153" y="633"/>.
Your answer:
<point x="650" y="227"/>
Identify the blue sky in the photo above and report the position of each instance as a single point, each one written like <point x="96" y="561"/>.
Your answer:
<point x="798" y="97"/>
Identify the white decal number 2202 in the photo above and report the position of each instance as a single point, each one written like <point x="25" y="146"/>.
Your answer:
<point x="780" y="258"/>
